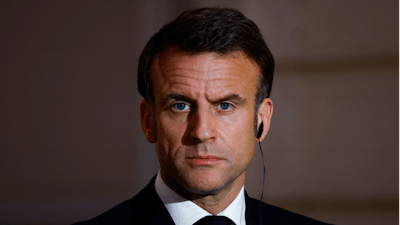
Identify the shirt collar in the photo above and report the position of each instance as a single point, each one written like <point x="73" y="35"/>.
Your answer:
<point x="185" y="212"/>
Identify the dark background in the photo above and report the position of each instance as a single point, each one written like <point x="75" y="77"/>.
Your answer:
<point x="70" y="137"/>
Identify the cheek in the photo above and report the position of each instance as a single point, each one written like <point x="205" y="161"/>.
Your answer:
<point x="230" y="120"/>
<point x="169" y="135"/>
<point x="240" y="136"/>
<point x="238" y="127"/>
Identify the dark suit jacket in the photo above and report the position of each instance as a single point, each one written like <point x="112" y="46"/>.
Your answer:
<point x="146" y="208"/>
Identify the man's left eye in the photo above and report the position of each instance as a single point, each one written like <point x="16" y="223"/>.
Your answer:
<point x="225" y="106"/>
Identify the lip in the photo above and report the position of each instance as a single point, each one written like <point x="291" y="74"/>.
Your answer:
<point x="205" y="160"/>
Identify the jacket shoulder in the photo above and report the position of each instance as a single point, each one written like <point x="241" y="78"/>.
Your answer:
<point x="274" y="215"/>
<point x="145" y="208"/>
<point x="119" y="214"/>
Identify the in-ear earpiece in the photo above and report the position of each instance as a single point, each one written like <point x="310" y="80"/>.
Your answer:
<point x="260" y="130"/>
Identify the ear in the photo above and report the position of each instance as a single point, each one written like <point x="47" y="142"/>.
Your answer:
<point x="264" y="116"/>
<point x="147" y="121"/>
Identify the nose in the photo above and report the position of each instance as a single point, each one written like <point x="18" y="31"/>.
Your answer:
<point x="202" y="124"/>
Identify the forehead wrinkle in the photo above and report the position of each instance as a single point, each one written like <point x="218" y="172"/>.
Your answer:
<point x="221" y="70"/>
<point x="199" y="75"/>
<point x="221" y="79"/>
<point x="172" y="66"/>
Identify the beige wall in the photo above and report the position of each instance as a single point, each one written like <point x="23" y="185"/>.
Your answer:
<point x="70" y="138"/>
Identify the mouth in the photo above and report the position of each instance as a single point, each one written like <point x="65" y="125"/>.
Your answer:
<point x="204" y="160"/>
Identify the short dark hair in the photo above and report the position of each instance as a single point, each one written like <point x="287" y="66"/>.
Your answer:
<point x="219" y="30"/>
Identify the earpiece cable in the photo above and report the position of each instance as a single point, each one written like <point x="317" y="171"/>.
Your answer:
<point x="262" y="191"/>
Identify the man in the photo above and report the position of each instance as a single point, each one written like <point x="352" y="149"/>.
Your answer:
<point x="206" y="79"/>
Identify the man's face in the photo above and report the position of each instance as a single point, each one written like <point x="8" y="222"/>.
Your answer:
<point x="204" y="119"/>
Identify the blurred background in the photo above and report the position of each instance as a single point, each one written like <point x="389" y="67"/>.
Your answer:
<point x="70" y="137"/>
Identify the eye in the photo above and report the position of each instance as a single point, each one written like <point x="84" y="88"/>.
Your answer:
<point x="180" y="106"/>
<point x="225" y="106"/>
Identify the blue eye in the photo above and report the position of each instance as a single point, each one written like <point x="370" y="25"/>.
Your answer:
<point x="180" y="106"/>
<point x="225" y="106"/>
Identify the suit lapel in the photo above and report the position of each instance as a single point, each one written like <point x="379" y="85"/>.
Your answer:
<point x="268" y="215"/>
<point x="252" y="211"/>
<point x="161" y="216"/>
<point x="147" y="207"/>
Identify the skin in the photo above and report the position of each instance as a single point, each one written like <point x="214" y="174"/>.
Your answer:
<point x="203" y="123"/>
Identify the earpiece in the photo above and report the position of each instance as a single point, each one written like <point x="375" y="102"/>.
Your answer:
<point x="260" y="130"/>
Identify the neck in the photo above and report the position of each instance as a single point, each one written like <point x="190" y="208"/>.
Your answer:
<point x="213" y="202"/>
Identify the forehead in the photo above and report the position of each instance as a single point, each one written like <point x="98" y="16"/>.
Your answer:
<point x="209" y="73"/>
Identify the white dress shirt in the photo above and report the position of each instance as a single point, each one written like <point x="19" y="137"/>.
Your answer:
<point x="184" y="212"/>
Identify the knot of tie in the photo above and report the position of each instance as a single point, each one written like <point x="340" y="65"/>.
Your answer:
<point x="214" y="220"/>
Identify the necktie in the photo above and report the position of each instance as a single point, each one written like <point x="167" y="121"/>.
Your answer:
<point x="214" y="220"/>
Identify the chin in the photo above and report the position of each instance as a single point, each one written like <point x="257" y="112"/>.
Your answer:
<point x="206" y="182"/>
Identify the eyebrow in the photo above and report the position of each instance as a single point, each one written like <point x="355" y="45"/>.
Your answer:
<point x="168" y="97"/>
<point x="232" y="97"/>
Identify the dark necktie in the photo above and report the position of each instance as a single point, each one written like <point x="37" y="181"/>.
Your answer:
<point x="214" y="220"/>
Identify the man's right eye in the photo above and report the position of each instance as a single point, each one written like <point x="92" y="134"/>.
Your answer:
<point x="180" y="106"/>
